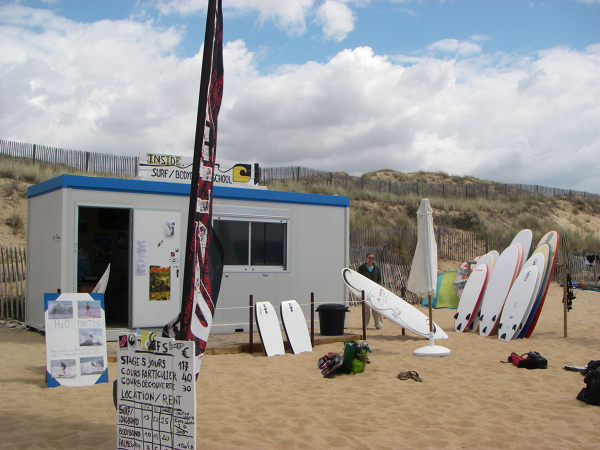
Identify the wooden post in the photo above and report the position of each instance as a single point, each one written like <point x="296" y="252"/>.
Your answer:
<point x="312" y="319"/>
<point x="251" y="322"/>
<point x="364" y="324"/>
<point x="565" y="266"/>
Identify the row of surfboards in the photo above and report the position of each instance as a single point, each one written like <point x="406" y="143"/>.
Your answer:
<point x="505" y="292"/>
<point x="294" y="325"/>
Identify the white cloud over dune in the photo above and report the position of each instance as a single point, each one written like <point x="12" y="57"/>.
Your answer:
<point x="117" y="87"/>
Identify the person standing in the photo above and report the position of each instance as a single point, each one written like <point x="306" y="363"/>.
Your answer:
<point x="372" y="272"/>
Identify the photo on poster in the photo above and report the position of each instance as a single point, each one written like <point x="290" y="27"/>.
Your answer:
<point x="60" y="310"/>
<point x="92" y="365"/>
<point x="89" y="309"/>
<point x="90" y="337"/>
<point x="169" y="229"/>
<point x="160" y="283"/>
<point x="63" y="368"/>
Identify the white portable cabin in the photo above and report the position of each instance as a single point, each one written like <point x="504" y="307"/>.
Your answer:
<point x="278" y="246"/>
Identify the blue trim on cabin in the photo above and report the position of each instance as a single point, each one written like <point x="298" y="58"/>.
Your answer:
<point x="180" y="189"/>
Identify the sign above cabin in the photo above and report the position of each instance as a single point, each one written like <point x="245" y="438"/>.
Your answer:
<point x="178" y="169"/>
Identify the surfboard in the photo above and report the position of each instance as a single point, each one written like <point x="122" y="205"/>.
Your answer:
<point x="390" y="305"/>
<point x="100" y="287"/>
<point x="294" y="324"/>
<point x="470" y="298"/>
<point x="551" y="238"/>
<point x="490" y="259"/>
<point x="497" y="289"/>
<point x="268" y="328"/>
<point x="519" y="297"/>
<point x="524" y="238"/>
<point x="538" y="259"/>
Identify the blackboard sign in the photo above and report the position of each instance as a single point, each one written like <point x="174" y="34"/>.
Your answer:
<point x="75" y="340"/>
<point x="156" y="395"/>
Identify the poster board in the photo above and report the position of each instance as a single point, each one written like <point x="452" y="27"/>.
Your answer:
<point x="75" y="340"/>
<point x="156" y="394"/>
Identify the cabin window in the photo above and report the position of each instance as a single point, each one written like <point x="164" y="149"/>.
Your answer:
<point x="253" y="244"/>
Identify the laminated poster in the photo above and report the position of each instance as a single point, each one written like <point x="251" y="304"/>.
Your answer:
<point x="75" y="340"/>
<point x="160" y="283"/>
<point x="156" y="394"/>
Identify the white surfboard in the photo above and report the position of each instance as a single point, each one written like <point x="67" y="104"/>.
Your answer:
<point x="295" y="327"/>
<point x="390" y="305"/>
<point x="551" y="238"/>
<point x="497" y="289"/>
<point x="538" y="259"/>
<point x="268" y="328"/>
<point x="470" y="298"/>
<point x="100" y="287"/>
<point x="524" y="238"/>
<point x="490" y="259"/>
<point x="518" y="300"/>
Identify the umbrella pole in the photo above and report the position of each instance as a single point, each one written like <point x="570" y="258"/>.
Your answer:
<point x="364" y="313"/>
<point x="430" y="314"/>
<point x="431" y="339"/>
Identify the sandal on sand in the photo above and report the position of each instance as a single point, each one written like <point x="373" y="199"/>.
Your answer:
<point x="410" y="374"/>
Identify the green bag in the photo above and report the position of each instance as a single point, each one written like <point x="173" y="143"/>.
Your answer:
<point x="355" y="356"/>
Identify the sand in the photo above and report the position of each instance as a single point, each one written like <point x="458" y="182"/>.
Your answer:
<point x="466" y="400"/>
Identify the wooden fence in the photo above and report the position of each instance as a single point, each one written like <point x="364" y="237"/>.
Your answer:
<point x="12" y="283"/>
<point x="84" y="161"/>
<point x="452" y="245"/>
<point x="349" y="183"/>
<point x="128" y="165"/>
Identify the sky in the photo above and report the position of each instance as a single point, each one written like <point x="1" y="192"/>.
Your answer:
<point x="505" y="91"/>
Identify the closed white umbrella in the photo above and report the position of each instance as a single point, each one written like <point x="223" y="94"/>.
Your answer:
<point x="423" y="273"/>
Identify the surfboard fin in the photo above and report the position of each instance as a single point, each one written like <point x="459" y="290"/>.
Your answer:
<point x="494" y="319"/>
<point x="459" y="327"/>
<point x="485" y="328"/>
<point x="503" y="336"/>
<point x="514" y="327"/>
<point x="455" y="316"/>
<point x="468" y="316"/>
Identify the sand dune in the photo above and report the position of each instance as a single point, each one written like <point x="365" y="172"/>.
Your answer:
<point x="467" y="400"/>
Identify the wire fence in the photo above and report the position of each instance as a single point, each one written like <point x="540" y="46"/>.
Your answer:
<point x="92" y="162"/>
<point x="127" y="166"/>
<point x="12" y="283"/>
<point x="349" y="183"/>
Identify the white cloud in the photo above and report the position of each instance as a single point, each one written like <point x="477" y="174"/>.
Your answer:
<point x="455" y="47"/>
<point x="288" y="15"/>
<point x="117" y="87"/>
<point x="336" y="18"/>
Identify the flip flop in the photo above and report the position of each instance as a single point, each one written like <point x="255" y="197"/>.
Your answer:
<point x="414" y="375"/>
<point x="403" y="376"/>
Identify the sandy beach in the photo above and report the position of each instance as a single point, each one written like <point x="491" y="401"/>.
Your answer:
<point x="466" y="400"/>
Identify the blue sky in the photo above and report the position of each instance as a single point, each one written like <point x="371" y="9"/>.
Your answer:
<point x="501" y="90"/>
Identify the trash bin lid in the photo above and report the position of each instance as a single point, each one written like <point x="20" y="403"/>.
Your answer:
<point x="332" y="307"/>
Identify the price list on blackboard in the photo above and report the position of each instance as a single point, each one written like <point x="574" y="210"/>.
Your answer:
<point x="156" y="395"/>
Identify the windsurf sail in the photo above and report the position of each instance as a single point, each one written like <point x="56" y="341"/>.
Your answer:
<point x="203" y="256"/>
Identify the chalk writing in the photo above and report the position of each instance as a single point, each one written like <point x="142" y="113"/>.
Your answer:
<point x="156" y="398"/>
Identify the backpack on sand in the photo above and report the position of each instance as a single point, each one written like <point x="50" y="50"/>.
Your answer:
<point x="591" y="393"/>
<point x="529" y="360"/>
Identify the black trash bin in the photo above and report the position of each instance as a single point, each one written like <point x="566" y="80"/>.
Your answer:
<point x="331" y="318"/>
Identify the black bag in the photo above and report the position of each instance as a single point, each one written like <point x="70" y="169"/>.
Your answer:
<point x="529" y="360"/>
<point x="591" y="393"/>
